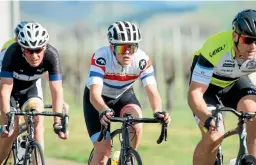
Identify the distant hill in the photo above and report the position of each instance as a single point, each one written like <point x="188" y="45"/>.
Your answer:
<point x="96" y="13"/>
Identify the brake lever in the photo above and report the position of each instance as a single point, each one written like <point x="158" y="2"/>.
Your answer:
<point x="64" y="123"/>
<point x="10" y="124"/>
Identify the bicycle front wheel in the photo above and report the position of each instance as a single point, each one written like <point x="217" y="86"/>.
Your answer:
<point x="11" y="158"/>
<point x="113" y="134"/>
<point x="132" y="157"/>
<point x="34" y="154"/>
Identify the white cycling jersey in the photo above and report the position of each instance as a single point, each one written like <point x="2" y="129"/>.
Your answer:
<point x="116" y="79"/>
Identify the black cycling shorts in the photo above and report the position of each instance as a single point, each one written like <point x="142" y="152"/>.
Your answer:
<point x="24" y="95"/>
<point x="91" y="115"/>
<point x="230" y="95"/>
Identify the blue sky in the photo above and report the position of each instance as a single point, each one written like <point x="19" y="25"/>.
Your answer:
<point x="71" y="11"/>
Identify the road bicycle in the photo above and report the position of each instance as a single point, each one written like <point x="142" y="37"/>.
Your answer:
<point x="128" y="156"/>
<point x="25" y="149"/>
<point x="243" y="157"/>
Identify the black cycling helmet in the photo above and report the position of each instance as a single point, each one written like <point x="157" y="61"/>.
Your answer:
<point x="245" y="22"/>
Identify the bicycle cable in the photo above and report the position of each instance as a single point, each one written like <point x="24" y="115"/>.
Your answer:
<point x="131" y="126"/>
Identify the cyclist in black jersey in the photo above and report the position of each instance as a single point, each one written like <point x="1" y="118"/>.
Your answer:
<point x="22" y="66"/>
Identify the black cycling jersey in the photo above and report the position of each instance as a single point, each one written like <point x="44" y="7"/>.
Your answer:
<point x="14" y="65"/>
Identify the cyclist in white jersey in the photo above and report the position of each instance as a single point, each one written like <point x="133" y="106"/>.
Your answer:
<point x="109" y="91"/>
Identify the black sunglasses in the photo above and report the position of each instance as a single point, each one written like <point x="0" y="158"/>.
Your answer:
<point x="248" y="40"/>
<point x="32" y="51"/>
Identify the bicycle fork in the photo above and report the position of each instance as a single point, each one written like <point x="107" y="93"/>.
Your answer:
<point x="125" y="145"/>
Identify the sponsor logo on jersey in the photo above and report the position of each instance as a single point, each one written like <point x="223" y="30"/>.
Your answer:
<point x="26" y="77"/>
<point x="142" y="64"/>
<point x="101" y="61"/>
<point x="252" y="91"/>
<point x="226" y="70"/>
<point x="219" y="49"/>
<point x="40" y="70"/>
<point x="251" y="65"/>
<point x="228" y="65"/>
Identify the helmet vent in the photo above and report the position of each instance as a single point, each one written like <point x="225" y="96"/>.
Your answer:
<point x="115" y="34"/>
<point x="29" y="34"/>
<point x="37" y="33"/>
<point x="120" y="27"/>
<point x="123" y="37"/>
<point x="22" y="34"/>
<point x="33" y="43"/>
<point x="129" y="34"/>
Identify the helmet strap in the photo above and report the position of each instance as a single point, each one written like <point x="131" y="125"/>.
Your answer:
<point x="23" y="54"/>
<point x="236" y="43"/>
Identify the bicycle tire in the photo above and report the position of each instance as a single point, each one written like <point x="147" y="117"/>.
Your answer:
<point x="131" y="155"/>
<point x="22" y="129"/>
<point x="112" y="135"/>
<point x="248" y="160"/>
<point x="13" y="159"/>
<point x="219" y="157"/>
<point x="33" y="146"/>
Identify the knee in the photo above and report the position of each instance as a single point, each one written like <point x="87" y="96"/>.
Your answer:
<point x="213" y="139"/>
<point x="39" y="126"/>
<point x="132" y="109"/>
<point x="137" y="128"/>
<point x="251" y="131"/>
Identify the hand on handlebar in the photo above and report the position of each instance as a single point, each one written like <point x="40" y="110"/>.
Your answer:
<point x="210" y="124"/>
<point x="61" y="129"/>
<point x="58" y="129"/>
<point x="163" y="116"/>
<point x="4" y="132"/>
<point x="7" y="129"/>
<point x="105" y="116"/>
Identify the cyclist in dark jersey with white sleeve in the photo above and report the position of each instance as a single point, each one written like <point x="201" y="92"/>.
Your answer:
<point x="22" y="66"/>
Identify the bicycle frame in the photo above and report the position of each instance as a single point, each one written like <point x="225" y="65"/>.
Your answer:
<point x="127" y="121"/>
<point x="29" y="128"/>
<point x="125" y="143"/>
<point x="30" y="137"/>
<point x="240" y="130"/>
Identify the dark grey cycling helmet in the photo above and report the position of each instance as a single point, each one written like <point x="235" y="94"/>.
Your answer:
<point x="245" y="22"/>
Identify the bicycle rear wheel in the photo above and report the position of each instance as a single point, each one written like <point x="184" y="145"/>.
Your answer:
<point x="132" y="157"/>
<point x="34" y="154"/>
<point x="113" y="134"/>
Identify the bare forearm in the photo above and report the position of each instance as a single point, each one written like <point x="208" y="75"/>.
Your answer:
<point x="98" y="102"/>
<point x="155" y="102"/>
<point x="5" y="103"/>
<point x="57" y="102"/>
<point x="5" y="95"/>
<point x="198" y="105"/>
